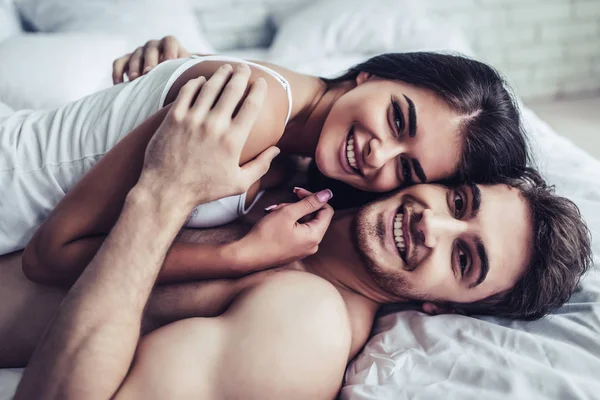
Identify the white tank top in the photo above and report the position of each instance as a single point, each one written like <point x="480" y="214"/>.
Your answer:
<point x="44" y="153"/>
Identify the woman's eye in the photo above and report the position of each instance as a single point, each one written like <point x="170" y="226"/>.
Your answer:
<point x="459" y="204"/>
<point x="398" y="117"/>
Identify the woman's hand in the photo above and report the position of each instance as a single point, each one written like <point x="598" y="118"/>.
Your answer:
<point x="196" y="150"/>
<point x="288" y="233"/>
<point x="146" y="57"/>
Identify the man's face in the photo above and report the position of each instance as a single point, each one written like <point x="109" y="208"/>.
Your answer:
<point x="433" y="243"/>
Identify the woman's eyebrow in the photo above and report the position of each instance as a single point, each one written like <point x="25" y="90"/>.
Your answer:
<point x="412" y="117"/>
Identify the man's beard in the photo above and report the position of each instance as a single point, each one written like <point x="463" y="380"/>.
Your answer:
<point x="363" y="234"/>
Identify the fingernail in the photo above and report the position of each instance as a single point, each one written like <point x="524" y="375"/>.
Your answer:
<point x="296" y="188"/>
<point x="324" y="195"/>
<point x="147" y="69"/>
<point x="133" y="75"/>
<point x="270" y="207"/>
<point x="243" y="67"/>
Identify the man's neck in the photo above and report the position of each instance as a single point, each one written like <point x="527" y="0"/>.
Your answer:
<point x="338" y="262"/>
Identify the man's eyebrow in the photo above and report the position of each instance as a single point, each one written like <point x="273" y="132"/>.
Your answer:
<point x="485" y="266"/>
<point x="475" y="200"/>
<point x="412" y="117"/>
<point x="419" y="170"/>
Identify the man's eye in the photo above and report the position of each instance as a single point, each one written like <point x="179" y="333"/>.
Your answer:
<point x="406" y="171"/>
<point x="463" y="261"/>
<point x="398" y="117"/>
<point x="459" y="204"/>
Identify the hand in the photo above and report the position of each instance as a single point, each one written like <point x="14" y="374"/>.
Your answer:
<point x="146" y="57"/>
<point x="195" y="153"/>
<point x="288" y="233"/>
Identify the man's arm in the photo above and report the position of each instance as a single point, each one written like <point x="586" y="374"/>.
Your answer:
<point x="96" y="330"/>
<point x="87" y="349"/>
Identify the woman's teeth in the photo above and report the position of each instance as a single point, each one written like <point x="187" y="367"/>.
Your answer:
<point x="350" y="152"/>
<point x="399" y="233"/>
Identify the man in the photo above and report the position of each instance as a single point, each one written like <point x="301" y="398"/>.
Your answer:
<point x="289" y="332"/>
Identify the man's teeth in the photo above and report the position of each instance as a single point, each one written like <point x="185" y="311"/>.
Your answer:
<point x="398" y="232"/>
<point x="350" y="152"/>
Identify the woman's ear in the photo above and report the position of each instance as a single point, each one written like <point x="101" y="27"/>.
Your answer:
<point x="362" y="77"/>
<point x="434" y="309"/>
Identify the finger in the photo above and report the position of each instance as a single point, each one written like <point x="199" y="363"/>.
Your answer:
<point x="310" y="204"/>
<point x="301" y="192"/>
<point x="185" y="97"/>
<point x="250" y="109"/>
<point x="135" y="64"/>
<point x="321" y="220"/>
<point x="170" y="47"/>
<point x="234" y="91"/>
<point x="210" y="91"/>
<point x="275" y="207"/>
<point x="255" y="169"/>
<point x="151" y="53"/>
<point x="119" y="68"/>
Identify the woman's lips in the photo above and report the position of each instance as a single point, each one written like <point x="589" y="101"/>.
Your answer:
<point x="343" y="157"/>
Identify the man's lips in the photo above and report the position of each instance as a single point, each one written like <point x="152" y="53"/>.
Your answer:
<point x="406" y="233"/>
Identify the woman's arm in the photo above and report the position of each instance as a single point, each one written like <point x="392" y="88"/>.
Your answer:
<point x="67" y="241"/>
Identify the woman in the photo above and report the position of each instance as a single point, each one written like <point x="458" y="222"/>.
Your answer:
<point x="391" y="121"/>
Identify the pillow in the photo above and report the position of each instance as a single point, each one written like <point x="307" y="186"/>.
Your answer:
<point x="356" y="26"/>
<point x="10" y="23"/>
<point x="46" y="71"/>
<point x="137" y="21"/>
<point x="5" y="110"/>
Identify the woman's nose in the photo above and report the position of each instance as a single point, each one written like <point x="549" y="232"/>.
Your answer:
<point x="435" y="227"/>
<point x="379" y="152"/>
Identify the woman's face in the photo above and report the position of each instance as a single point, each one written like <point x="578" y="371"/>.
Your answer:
<point x="384" y="134"/>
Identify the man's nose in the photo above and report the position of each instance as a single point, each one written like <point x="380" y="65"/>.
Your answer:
<point x="435" y="227"/>
<point x="379" y="152"/>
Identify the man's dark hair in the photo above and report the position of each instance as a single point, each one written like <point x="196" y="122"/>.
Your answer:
<point x="494" y="139"/>
<point x="560" y="255"/>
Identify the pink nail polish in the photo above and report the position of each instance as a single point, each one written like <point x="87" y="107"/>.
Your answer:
<point x="270" y="207"/>
<point x="324" y="195"/>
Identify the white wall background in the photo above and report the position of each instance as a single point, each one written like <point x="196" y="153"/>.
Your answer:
<point x="547" y="48"/>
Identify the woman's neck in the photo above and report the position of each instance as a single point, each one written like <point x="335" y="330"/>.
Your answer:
<point x="302" y="133"/>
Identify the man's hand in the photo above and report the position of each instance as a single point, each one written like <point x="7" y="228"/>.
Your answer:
<point x="289" y="232"/>
<point x="196" y="150"/>
<point x="146" y="57"/>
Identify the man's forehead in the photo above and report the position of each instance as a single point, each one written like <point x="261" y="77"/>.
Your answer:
<point x="506" y="231"/>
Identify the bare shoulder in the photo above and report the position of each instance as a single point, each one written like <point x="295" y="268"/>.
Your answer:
<point x="296" y="298"/>
<point x="302" y="333"/>
<point x="271" y="121"/>
<point x="288" y="335"/>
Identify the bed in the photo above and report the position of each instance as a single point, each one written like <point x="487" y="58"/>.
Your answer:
<point x="410" y="355"/>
